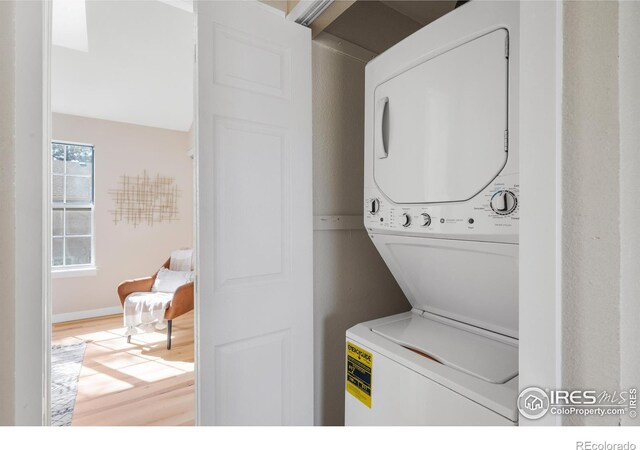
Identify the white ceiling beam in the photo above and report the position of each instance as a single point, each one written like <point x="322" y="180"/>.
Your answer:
<point x="318" y="14"/>
<point x="306" y="11"/>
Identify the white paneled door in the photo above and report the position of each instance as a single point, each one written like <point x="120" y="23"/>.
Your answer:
<point x="255" y="311"/>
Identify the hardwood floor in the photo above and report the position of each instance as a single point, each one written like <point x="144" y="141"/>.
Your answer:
<point x="141" y="383"/>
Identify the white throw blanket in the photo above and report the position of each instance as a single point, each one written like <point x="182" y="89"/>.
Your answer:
<point x="144" y="311"/>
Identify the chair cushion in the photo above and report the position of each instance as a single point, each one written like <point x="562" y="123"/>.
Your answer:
<point x="181" y="260"/>
<point x="170" y="280"/>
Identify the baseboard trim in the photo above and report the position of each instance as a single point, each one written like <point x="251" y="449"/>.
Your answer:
<point x="79" y="315"/>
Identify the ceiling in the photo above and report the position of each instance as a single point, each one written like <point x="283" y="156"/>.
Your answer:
<point x="423" y="12"/>
<point x="378" y="25"/>
<point x="138" y="67"/>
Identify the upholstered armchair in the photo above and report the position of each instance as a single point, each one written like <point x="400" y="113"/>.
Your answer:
<point x="181" y="303"/>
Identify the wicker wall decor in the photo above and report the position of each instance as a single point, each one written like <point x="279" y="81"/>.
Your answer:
<point x="141" y="199"/>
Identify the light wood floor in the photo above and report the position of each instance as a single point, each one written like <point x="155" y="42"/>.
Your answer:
<point x="141" y="383"/>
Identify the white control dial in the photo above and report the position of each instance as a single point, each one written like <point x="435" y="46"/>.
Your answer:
<point x="405" y="220"/>
<point x="504" y="202"/>
<point x="374" y="206"/>
<point x="426" y="219"/>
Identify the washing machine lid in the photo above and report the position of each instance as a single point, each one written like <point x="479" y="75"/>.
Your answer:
<point x="474" y="353"/>
<point x="440" y="128"/>
<point x="467" y="281"/>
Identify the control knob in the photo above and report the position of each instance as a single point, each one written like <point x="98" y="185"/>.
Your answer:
<point x="374" y="206"/>
<point x="504" y="202"/>
<point x="426" y="219"/>
<point x="405" y="220"/>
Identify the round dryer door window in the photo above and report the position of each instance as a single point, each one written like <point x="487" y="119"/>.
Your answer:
<point x="440" y="128"/>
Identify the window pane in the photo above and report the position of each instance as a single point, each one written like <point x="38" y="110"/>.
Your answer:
<point x="79" y="168"/>
<point x="57" y="166"/>
<point x="57" y="190"/>
<point x="72" y="183"/>
<point x="78" y="250"/>
<point x="56" y="253"/>
<point x="56" y="222"/>
<point x="79" y="160"/>
<point x="78" y="221"/>
<point x="78" y="189"/>
<point x="57" y="156"/>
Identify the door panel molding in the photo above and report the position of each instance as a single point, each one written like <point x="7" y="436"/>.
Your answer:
<point x="255" y="228"/>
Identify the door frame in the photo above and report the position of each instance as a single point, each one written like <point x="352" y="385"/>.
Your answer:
<point x="44" y="352"/>
<point x="540" y="238"/>
<point x="540" y="292"/>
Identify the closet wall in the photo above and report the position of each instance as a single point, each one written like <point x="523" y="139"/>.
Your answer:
<point x="351" y="282"/>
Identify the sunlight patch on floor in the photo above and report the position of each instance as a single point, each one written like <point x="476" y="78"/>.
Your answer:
<point x="137" y="383"/>
<point x="101" y="384"/>
<point x="150" y="371"/>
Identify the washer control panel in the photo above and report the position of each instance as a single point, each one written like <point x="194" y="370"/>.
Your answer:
<point x="493" y="214"/>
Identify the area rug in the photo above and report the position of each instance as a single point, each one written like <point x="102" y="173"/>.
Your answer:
<point x="66" y="362"/>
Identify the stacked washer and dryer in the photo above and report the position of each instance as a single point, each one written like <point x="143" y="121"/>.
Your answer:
<point x="441" y="206"/>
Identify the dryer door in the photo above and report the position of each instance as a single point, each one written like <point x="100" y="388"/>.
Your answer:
<point x="440" y="127"/>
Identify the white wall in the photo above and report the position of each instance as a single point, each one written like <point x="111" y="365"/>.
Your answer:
<point x="7" y="206"/>
<point x="351" y="282"/>
<point x="591" y="202"/>
<point x="629" y="88"/>
<point x="29" y="141"/>
<point x="122" y="250"/>
<point x="22" y="326"/>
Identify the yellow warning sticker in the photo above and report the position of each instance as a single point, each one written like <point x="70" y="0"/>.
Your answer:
<point x="359" y="371"/>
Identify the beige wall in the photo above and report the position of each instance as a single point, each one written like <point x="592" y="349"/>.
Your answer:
<point x="278" y="4"/>
<point x="591" y="201"/>
<point x="373" y="26"/>
<point x="7" y="206"/>
<point x="351" y="282"/>
<point x="629" y="88"/>
<point x="122" y="250"/>
<point x="601" y="186"/>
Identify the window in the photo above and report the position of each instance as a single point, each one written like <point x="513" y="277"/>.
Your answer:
<point x="72" y="206"/>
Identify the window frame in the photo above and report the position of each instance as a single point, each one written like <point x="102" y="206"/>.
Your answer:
<point x="65" y="270"/>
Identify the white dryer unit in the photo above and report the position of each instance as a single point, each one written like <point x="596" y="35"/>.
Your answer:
<point x="441" y="206"/>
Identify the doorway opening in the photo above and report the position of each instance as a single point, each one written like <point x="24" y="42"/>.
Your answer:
<point x="122" y="204"/>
